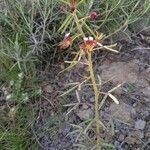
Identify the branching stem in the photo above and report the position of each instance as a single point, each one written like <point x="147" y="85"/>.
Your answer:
<point x="96" y="92"/>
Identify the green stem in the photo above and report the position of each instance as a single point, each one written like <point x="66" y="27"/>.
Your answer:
<point x="95" y="88"/>
<point x="96" y="92"/>
<point x="78" y="24"/>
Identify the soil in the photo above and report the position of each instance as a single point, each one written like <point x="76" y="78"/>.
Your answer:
<point x="127" y="125"/>
<point x="131" y="118"/>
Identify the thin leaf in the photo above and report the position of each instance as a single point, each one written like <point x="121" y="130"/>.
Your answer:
<point x="118" y="86"/>
<point x="88" y="126"/>
<point x="80" y="146"/>
<point x="112" y="126"/>
<point x="68" y="105"/>
<point x="65" y="22"/>
<point x="78" y="97"/>
<point x="73" y="132"/>
<point x="67" y="92"/>
<point x="113" y="98"/>
<point x="73" y="108"/>
<point x="74" y="62"/>
<point x="63" y="1"/>
<point x="76" y="126"/>
<point x="103" y="101"/>
<point x="102" y="124"/>
<point x="107" y="145"/>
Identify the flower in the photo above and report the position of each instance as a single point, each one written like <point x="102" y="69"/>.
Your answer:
<point x="88" y="44"/>
<point x="93" y="15"/>
<point x="67" y="41"/>
<point x="73" y="5"/>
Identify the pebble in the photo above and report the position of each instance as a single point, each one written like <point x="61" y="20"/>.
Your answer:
<point x="140" y="124"/>
<point x="62" y="66"/>
<point x="147" y="135"/>
<point x="122" y="112"/>
<point x="146" y="114"/>
<point x="135" y="104"/>
<point x="130" y="140"/>
<point x="85" y="106"/>
<point x="92" y="99"/>
<point x="121" y="137"/>
<point x="117" y="144"/>
<point x="85" y="114"/>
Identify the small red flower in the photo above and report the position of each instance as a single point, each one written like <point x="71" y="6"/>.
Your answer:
<point x="67" y="41"/>
<point x="93" y="15"/>
<point x="88" y="44"/>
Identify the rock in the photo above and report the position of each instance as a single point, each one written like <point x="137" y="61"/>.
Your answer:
<point x="123" y="112"/>
<point x="138" y="134"/>
<point x="120" y="71"/>
<point x="130" y="140"/>
<point x="134" y="104"/>
<point x="121" y="137"/>
<point x="85" y="106"/>
<point x="92" y="99"/>
<point x="134" y="137"/>
<point x="147" y="135"/>
<point x="62" y="66"/>
<point x="140" y="124"/>
<point x="146" y="91"/>
<point x="85" y="114"/>
<point x="116" y="144"/>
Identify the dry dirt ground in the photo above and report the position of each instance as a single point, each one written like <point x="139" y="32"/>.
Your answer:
<point x="131" y="118"/>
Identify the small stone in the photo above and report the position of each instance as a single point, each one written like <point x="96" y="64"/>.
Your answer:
<point x="138" y="134"/>
<point x="92" y="99"/>
<point x="62" y="66"/>
<point x="117" y="131"/>
<point x="134" y="104"/>
<point x="146" y="113"/>
<point x="140" y="124"/>
<point x="130" y="140"/>
<point x="116" y="144"/>
<point x="134" y="137"/>
<point x="85" y="106"/>
<point x="85" y="114"/>
<point x="122" y="112"/>
<point x="121" y="137"/>
<point x="141" y="135"/>
<point x="147" y="135"/>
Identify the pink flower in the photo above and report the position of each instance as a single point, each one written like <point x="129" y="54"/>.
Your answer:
<point x="93" y="15"/>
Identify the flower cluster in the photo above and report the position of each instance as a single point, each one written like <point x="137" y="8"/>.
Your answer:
<point x="88" y="44"/>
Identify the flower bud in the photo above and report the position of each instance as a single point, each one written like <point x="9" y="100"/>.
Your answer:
<point x="67" y="41"/>
<point x="93" y="15"/>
